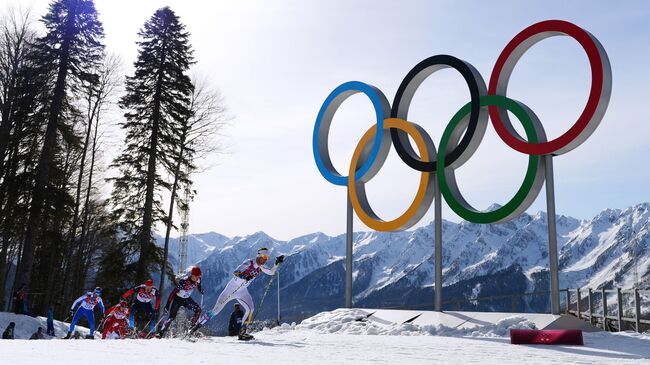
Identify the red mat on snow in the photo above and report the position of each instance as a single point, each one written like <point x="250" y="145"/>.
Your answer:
<point x="546" y="337"/>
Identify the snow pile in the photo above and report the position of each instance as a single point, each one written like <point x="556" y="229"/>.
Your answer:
<point x="500" y="329"/>
<point x="26" y="326"/>
<point x="356" y="322"/>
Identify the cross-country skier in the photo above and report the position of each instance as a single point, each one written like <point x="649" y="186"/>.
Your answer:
<point x="145" y="294"/>
<point x="116" y="319"/>
<point x="181" y="297"/>
<point x="237" y="289"/>
<point x="87" y="303"/>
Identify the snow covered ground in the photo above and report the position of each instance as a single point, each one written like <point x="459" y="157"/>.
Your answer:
<point x="338" y="338"/>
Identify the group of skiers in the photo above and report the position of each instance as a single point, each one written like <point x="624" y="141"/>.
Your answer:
<point x="118" y="320"/>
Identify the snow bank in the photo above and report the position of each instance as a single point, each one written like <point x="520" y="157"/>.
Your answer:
<point x="500" y="329"/>
<point x="26" y="326"/>
<point x="355" y="322"/>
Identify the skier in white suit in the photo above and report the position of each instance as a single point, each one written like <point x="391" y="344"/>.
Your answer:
<point x="237" y="289"/>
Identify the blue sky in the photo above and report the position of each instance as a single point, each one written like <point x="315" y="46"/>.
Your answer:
<point x="276" y="61"/>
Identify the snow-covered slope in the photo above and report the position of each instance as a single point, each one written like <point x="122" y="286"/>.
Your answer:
<point x="25" y="326"/>
<point x="336" y="338"/>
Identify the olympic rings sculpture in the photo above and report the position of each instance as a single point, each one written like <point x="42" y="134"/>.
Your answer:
<point x="464" y="132"/>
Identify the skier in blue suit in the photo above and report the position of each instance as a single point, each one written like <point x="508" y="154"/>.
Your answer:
<point x="87" y="303"/>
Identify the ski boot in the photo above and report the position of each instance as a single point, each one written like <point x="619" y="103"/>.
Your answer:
<point x="205" y="317"/>
<point x="243" y="336"/>
<point x="90" y="337"/>
<point x="163" y="328"/>
<point x="68" y="336"/>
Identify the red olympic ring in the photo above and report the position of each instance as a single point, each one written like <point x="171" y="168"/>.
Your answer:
<point x="598" y="95"/>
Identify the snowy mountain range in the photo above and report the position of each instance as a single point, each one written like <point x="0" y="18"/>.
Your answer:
<point x="396" y="269"/>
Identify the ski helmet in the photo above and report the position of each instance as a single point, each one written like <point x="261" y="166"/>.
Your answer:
<point x="149" y="282"/>
<point x="98" y="291"/>
<point x="263" y="255"/>
<point x="196" y="271"/>
<point x="123" y="302"/>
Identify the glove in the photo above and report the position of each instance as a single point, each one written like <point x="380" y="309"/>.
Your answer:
<point x="201" y="290"/>
<point x="71" y="314"/>
<point x="279" y="259"/>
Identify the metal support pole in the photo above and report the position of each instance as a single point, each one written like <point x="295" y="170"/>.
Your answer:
<point x="278" y="281"/>
<point x="579" y="297"/>
<point x="619" y="299"/>
<point x="591" y="307"/>
<point x="552" y="236"/>
<point x="637" y="310"/>
<point x="568" y="300"/>
<point x="438" y="245"/>
<point x="348" y="255"/>
<point x="604" y="298"/>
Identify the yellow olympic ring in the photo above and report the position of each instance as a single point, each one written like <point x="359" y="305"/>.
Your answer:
<point x="424" y="195"/>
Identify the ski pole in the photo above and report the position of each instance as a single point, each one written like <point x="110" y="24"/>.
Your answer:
<point x="156" y="326"/>
<point x="161" y="318"/>
<point x="100" y="328"/>
<point x="268" y="286"/>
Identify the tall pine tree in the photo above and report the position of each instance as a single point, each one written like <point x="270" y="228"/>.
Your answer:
<point x="156" y="104"/>
<point x="71" y="49"/>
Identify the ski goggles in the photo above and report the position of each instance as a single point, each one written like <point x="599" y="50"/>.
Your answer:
<point x="264" y="257"/>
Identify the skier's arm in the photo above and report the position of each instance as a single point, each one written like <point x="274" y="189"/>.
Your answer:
<point x="268" y="271"/>
<point x="128" y="293"/>
<point x="109" y="311"/>
<point x="79" y="300"/>
<point x="157" y="300"/>
<point x="241" y="268"/>
<point x="272" y="270"/>
<point x="100" y="302"/>
<point x="170" y="298"/>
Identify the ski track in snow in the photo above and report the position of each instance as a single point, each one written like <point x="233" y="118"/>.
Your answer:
<point x="304" y="347"/>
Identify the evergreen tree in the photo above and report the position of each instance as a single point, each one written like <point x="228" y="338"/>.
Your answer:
<point x="70" y="50"/>
<point x="156" y="107"/>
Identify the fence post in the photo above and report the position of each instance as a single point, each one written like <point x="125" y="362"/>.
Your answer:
<point x="619" y="299"/>
<point x="604" y="297"/>
<point x="591" y="307"/>
<point x="579" y="297"/>
<point x="568" y="300"/>
<point x="637" y="309"/>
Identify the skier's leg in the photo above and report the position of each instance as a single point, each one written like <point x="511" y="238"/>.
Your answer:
<point x="91" y="322"/>
<point x="108" y="326"/>
<point x="151" y="313"/>
<point x="121" y="329"/>
<point x="75" y="319"/>
<point x="244" y="298"/>
<point x="176" y="304"/>
<point x="228" y="293"/>
<point x="191" y="304"/>
<point x="132" y="314"/>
